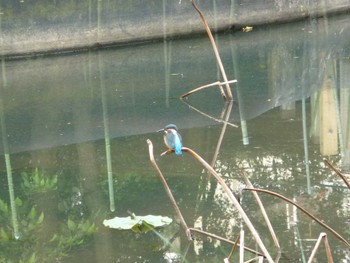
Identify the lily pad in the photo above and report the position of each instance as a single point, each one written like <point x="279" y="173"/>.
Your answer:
<point x="137" y="223"/>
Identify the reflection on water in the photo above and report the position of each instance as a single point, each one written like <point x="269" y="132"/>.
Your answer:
<point x="74" y="130"/>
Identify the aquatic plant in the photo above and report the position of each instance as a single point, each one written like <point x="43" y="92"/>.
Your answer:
<point x="28" y="248"/>
<point x="32" y="259"/>
<point x="31" y="222"/>
<point x="140" y="224"/>
<point x="38" y="182"/>
<point x="73" y="234"/>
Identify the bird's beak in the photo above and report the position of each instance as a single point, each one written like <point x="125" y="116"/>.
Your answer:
<point x="160" y="130"/>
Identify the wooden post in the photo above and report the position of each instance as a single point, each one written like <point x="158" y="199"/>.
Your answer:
<point x="344" y="90"/>
<point x="328" y="119"/>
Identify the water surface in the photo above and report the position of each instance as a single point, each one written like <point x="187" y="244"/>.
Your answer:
<point x="71" y="122"/>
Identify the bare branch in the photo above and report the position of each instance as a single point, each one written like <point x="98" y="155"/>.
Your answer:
<point x="262" y="208"/>
<point x="167" y="189"/>
<point x="216" y="52"/>
<point x="303" y="210"/>
<point x="336" y="170"/>
<point x="217" y="83"/>
<point x="328" y="250"/>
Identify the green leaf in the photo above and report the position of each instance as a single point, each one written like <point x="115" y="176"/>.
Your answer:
<point x="32" y="213"/>
<point x="38" y="182"/>
<point x="4" y="235"/>
<point x="32" y="259"/>
<point x="91" y="228"/>
<point x="36" y="176"/>
<point x="18" y="201"/>
<point x="71" y="225"/>
<point x="54" y="238"/>
<point x="41" y="218"/>
<point x="3" y="207"/>
<point x="138" y="223"/>
<point x="54" y="180"/>
<point x="142" y="227"/>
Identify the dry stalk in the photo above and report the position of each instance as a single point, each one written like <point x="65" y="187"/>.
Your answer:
<point x="233" y="249"/>
<point x="209" y="116"/>
<point x="326" y="244"/>
<point x="168" y="191"/>
<point x="262" y="208"/>
<point x="233" y="199"/>
<point x="223" y="131"/>
<point x="241" y="251"/>
<point x="303" y="210"/>
<point x="255" y="260"/>
<point x="217" y="83"/>
<point x="216" y="52"/>
<point x="224" y="240"/>
<point x="336" y="170"/>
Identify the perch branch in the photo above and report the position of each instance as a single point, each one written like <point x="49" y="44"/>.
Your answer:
<point x="167" y="189"/>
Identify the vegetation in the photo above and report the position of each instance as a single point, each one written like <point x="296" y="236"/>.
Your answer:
<point x="38" y="182"/>
<point x="35" y="230"/>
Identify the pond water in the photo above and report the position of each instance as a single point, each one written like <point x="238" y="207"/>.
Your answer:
<point x="74" y="151"/>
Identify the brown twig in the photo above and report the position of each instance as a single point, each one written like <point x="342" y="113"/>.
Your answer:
<point x="167" y="189"/>
<point x="228" y="192"/>
<point x="224" y="240"/>
<point x="210" y="117"/>
<point x="262" y="208"/>
<point x="256" y="259"/>
<point x="303" y="210"/>
<point x="241" y="250"/>
<point x="234" y="201"/>
<point x="233" y="248"/>
<point x="326" y="244"/>
<point x="231" y="197"/>
<point x="336" y="170"/>
<point x="216" y="52"/>
<point x="217" y="83"/>
<point x="223" y="131"/>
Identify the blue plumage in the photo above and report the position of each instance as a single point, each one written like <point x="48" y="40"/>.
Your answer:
<point x="172" y="138"/>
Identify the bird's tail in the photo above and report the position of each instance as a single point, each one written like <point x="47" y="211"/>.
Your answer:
<point x="178" y="149"/>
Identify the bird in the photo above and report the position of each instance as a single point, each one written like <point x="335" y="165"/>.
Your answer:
<point x="172" y="139"/>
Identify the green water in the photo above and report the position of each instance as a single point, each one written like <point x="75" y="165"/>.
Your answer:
<point x="61" y="113"/>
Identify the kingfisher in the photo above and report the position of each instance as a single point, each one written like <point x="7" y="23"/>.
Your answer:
<point x="172" y="138"/>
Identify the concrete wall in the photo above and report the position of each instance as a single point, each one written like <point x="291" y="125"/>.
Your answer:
<point x="57" y="100"/>
<point x="28" y="27"/>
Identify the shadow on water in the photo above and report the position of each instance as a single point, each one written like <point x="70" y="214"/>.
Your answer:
<point x="72" y="120"/>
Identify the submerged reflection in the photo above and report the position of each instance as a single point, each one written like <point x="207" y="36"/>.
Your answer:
<point x="6" y="153"/>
